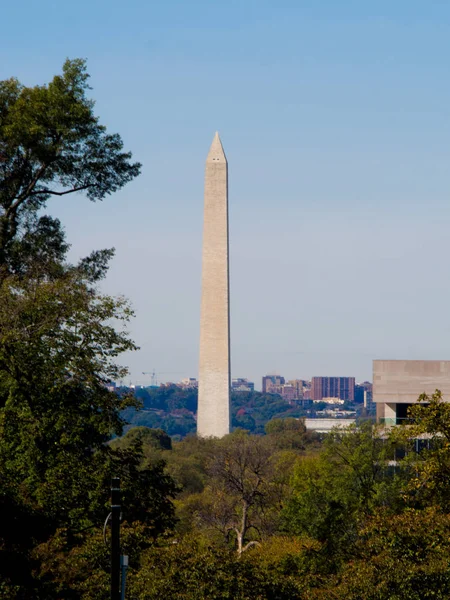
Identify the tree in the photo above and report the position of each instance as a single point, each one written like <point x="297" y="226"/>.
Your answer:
<point x="80" y="570"/>
<point x="59" y="336"/>
<point x="238" y="500"/>
<point x="57" y="349"/>
<point x="403" y="556"/>
<point x="193" y="570"/>
<point x="335" y="491"/>
<point x="58" y="344"/>
<point x="52" y="144"/>
<point x="290" y="433"/>
<point x="428" y="469"/>
<point x="153" y="438"/>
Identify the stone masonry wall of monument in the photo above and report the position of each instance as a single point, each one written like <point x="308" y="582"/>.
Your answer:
<point x="213" y="416"/>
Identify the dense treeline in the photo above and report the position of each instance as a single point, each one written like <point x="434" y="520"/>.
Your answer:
<point x="173" y="409"/>
<point x="285" y="515"/>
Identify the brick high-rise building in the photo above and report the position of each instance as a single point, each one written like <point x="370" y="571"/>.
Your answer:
<point x="298" y="384"/>
<point x="333" y="387"/>
<point x="289" y="392"/>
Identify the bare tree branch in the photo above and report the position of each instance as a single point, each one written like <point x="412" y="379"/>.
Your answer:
<point x="53" y="193"/>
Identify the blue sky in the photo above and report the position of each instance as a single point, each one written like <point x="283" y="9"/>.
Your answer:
<point x="335" y="117"/>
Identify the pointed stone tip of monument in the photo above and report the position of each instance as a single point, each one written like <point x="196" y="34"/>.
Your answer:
<point x="216" y="152"/>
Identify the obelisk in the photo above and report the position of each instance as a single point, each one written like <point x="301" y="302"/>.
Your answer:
<point x="213" y="415"/>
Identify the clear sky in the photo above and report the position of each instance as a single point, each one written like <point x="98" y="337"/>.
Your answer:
<point x="335" y="118"/>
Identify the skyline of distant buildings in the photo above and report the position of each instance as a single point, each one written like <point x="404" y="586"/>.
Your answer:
<point x="397" y="384"/>
<point x="331" y="390"/>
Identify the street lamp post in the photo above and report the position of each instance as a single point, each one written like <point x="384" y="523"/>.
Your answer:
<point x="115" y="539"/>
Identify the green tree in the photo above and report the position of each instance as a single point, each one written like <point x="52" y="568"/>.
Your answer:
<point x="74" y="562"/>
<point x="335" y="491"/>
<point x="187" y="464"/>
<point x="52" y="144"/>
<point x="291" y="433"/>
<point x="153" y="438"/>
<point x="396" y="557"/>
<point x="427" y="463"/>
<point x="192" y="570"/>
<point x="60" y="339"/>
<point x="57" y="348"/>
<point x="79" y="568"/>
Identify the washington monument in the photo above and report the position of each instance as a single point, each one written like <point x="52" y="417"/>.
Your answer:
<point x="213" y="415"/>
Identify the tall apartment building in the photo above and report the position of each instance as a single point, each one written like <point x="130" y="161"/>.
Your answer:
<point x="271" y="384"/>
<point x="333" y="387"/>
<point x="298" y="385"/>
<point x="289" y="392"/>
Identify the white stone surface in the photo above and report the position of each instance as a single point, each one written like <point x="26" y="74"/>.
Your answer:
<point x="213" y="416"/>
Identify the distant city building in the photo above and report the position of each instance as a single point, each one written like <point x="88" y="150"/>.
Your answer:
<point x="271" y="384"/>
<point x="242" y="385"/>
<point x="330" y="400"/>
<point x="363" y="393"/>
<point x="336" y="413"/>
<point x="333" y="387"/>
<point x="299" y="385"/>
<point x="397" y="384"/>
<point x="189" y="382"/>
<point x="289" y="392"/>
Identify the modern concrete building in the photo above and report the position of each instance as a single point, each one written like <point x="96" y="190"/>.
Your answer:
<point x="213" y="417"/>
<point x="398" y="383"/>
<point x="333" y="387"/>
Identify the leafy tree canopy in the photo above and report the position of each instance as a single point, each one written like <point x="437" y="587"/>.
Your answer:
<point x="427" y="440"/>
<point x="60" y="339"/>
<point x="52" y="144"/>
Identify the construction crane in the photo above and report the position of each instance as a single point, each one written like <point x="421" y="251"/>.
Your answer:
<point x="153" y="374"/>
